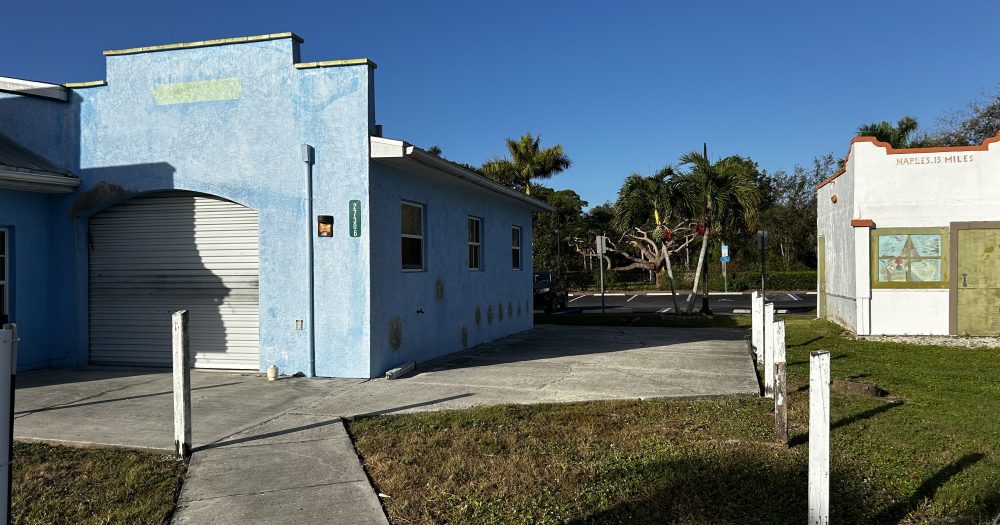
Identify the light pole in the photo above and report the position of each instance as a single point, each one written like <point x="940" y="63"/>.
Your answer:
<point x="558" y="250"/>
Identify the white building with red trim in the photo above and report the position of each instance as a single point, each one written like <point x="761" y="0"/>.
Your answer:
<point x="909" y="240"/>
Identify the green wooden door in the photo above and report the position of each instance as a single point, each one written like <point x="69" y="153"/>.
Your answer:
<point x="821" y="270"/>
<point x="978" y="290"/>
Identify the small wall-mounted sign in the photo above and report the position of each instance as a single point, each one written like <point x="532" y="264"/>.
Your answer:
<point x="324" y="226"/>
<point x="354" y="214"/>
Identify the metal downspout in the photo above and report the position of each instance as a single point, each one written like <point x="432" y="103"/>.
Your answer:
<point x="308" y="156"/>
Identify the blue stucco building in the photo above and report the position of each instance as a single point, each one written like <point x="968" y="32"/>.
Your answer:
<point x="228" y="178"/>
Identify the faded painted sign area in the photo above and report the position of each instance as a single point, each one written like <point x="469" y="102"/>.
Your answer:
<point x="201" y="91"/>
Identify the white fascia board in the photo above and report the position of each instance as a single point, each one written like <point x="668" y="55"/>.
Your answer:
<point x="383" y="148"/>
<point x="30" y="87"/>
<point x="387" y="149"/>
<point x="16" y="180"/>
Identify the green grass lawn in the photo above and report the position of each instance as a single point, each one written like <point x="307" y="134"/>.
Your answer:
<point x="64" y="485"/>
<point x="928" y="453"/>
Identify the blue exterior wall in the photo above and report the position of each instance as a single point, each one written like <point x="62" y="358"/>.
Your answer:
<point x="42" y="242"/>
<point x="247" y="150"/>
<point x="38" y="301"/>
<point x="123" y="141"/>
<point x="398" y="294"/>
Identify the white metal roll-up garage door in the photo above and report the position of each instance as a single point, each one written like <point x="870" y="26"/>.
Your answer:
<point x="151" y="256"/>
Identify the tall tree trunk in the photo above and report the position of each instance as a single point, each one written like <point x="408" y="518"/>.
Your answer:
<point x="704" y="250"/>
<point x="697" y="271"/>
<point x="673" y="290"/>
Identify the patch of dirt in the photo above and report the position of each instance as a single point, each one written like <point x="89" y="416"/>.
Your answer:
<point x="859" y="388"/>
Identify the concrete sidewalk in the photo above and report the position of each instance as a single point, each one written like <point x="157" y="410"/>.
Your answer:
<point x="277" y="452"/>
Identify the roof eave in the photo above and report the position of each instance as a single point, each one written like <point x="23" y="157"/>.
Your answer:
<point x="18" y="180"/>
<point x="19" y="86"/>
<point x="383" y="148"/>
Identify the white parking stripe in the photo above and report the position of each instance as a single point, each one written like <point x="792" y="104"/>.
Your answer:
<point x="740" y="311"/>
<point x="663" y="310"/>
<point x="630" y="298"/>
<point x="794" y="297"/>
<point x="576" y="298"/>
<point x="688" y="298"/>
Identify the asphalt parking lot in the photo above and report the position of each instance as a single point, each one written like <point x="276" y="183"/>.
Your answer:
<point x="721" y="303"/>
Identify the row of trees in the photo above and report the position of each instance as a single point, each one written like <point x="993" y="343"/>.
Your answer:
<point x="679" y="215"/>
<point x="970" y="126"/>
<point x="685" y="209"/>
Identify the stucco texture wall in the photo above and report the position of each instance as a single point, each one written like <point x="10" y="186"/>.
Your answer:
<point x="38" y="301"/>
<point x="923" y="189"/>
<point x="42" y="240"/>
<point x="229" y="121"/>
<point x="907" y="189"/>
<point x="833" y="222"/>
<point x="418" y="315"/>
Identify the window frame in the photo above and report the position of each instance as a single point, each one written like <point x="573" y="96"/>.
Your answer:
<point x="477" y="244"/>
<point x="944" y="258"/>
<point x="515" y="250"/>
<point x="421" y="237"/>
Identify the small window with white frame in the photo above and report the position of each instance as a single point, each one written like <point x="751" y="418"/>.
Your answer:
<point x="475" y="243"/>
<point x="4" y="277"/>
<point x="515" y="247"/>
<point x="412" y="233"/>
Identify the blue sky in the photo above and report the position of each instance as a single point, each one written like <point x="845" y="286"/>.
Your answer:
<point x="623" y="86"/>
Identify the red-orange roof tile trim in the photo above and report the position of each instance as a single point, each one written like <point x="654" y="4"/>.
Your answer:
<point x="893" y="151"/>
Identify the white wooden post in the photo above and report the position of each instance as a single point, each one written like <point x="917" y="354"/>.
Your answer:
<point x="780" y="384"/>
<point x="757" y="324"/>
<point x="8" y="370"/>
<point x="819" y="437"/>
<point x="768" y="350"/>
<point x="182" y="385"/>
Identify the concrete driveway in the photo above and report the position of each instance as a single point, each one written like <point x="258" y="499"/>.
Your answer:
<point x="564" y="363"/>
<point x="277" y="452"/>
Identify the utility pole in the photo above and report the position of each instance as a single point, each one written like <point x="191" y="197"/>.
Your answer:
<point x="558" y="248"/>
<point x="602" y="247"/>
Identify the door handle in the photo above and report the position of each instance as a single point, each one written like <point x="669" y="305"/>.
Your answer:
<point x="965" y="283"/>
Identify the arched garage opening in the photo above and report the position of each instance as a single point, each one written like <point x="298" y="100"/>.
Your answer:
<point x="162" y="252"/>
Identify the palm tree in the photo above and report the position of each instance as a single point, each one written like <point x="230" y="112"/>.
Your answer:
<point x="646" y="204"/>
<point x="527" y="161"/>
<point x="644" y="201"/>
<point x="897" y="136"/>
<point x="724" y="195"/>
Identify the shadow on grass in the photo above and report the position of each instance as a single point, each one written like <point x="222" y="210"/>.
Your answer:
<point x="806" y="343"/>
<point x="928" y="488"/>
<point x="731" y="486"/>
<point x="802" y="439"/>
<point x="867" y="414"/>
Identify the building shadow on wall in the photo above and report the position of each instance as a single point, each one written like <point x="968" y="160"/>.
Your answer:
<point x="157" y="253"/>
